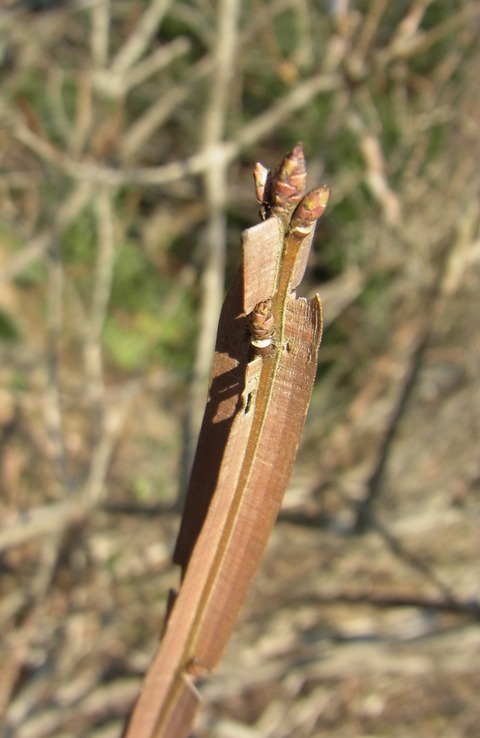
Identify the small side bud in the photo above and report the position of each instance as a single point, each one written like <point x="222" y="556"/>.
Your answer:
<point x="263" y="180"/>
<point x="310" y="209"/>
<point x="260" y="175"/>
<point x="261" y="325"/>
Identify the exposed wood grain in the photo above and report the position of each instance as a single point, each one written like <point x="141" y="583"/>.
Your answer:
<point x="236" y="529"/>
<point x="262" y="249"/>
<point x="248" y="442"/>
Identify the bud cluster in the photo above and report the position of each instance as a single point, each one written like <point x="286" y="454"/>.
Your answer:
<point x="280" y="193"/>
<point x="283" y="195"/>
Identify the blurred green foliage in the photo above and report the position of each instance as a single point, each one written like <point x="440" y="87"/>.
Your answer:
<point x="8" y="329"/>
<point x="150" y="317"/>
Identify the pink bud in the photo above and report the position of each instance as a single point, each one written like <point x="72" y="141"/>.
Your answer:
<point x="288" y="183"/>
<point x="310" y="209"/>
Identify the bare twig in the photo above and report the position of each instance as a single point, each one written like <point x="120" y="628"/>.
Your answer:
<point x="100" y="34"/>
<point x="407" y="44"/>
<point x="110" y="700"/>
<point x="53" y="411"/>
<point x="116" y="84"/>
<point x="198" y="163"/>
<point x="145" y="125"/>
<point x="157" y="60"/>
<point x="376" y="176"/>
<point x="82" y="124"/>
<point x="370" y="25"/>
<point x="94" y="490"/>
<point x="21" y="640"/>
<point x="65" y="214"/>
<point x="45" y="520"/>
<point x="138" y="41"/>
<point x="104" y="434"/>
<point x="101" y="293"/>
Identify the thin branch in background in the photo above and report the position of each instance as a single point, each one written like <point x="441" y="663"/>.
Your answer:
<point x="281" y="110"/>
<point x="375" y="171"/>
<point x="339" y="293"/>
<point x="198" y="19"/>
<point x="19" y="180"/>
<point x="423" y="333"/>
<point x="39" y="145"/>
<point x="82" y="124"/>
<point x="422" y="566"/>
<point x="465" y="251"/>
<point x="46" y="520"/>
<point x="107" y="422"/>
<point x="146" y="124"/>
<point x="369" y="27"/>
<point x="410" y="24"/>
<point x="139" y="40"/>
<point x="93" y="350"/>
<point x="223" y="153"/>
<point x="216" y="186"/>
<point x="262" y="18"/>
<point x="94" y="490"/>
<point x="267" y="31"/>
<point x="102" y="282"/>
<point x="156" y="61"/>
<point x="303" y="54"/>
<point x="52" y="401"/>
<point x="66" y="213"/>
<point x="100" y="33"/>
<point x="55" y="89"/>
<point x="94" y="704"/>
<point x="406" y="47"/>
<point x="20" y="643"/>
<point x="114" y="83"/>
<point x="338" y="8"/>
